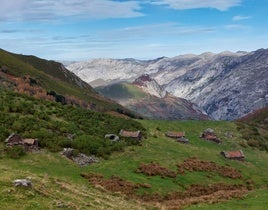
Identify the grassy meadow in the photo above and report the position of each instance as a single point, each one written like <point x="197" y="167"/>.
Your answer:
<point x="57" y="182"/>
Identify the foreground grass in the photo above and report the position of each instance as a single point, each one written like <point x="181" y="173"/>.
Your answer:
<point x="57" y="182"/>
<point x="168" y="153"/>
<point x="257" y="199"/>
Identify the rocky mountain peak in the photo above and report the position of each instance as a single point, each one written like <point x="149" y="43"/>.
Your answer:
<point x="150" y="86"/>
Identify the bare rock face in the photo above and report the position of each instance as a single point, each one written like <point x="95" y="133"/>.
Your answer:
<point x="226" y="86"/>
<point x="149" y="85"/>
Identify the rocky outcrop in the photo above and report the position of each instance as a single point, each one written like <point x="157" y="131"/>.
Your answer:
<point x="80" y="158"/>
<point x="150" y="86"/>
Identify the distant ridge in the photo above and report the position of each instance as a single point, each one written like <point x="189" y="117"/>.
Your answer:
<point x="226" y="85"/>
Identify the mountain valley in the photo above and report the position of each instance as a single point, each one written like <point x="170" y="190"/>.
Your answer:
<point x="42" y="102"/>
<point x="225" y="86"/>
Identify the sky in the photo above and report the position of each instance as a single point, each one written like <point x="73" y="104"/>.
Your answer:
<point x="75" y="30"/>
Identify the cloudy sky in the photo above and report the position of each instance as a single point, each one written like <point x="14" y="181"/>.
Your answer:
<point x="143" y="29"/>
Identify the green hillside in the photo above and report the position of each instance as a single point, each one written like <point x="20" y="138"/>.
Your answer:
<point x="116" y="183"/>
<point x="121" y="91"/>
<point x="52" y="76"/>
<point x="53" y="123"/>
<point x="168" y="153"/>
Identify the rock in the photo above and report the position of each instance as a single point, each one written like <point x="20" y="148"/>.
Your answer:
<point x="209" y="130"/>
<point x="68" y="152"/>
<point x="22" y="182"/>
<point x="81" y="159"/>
<point x="112" y="137"/>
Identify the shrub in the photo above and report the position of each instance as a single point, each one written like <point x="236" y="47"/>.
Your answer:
<point x="253" y="143"/>
<point x="15" y="152"/>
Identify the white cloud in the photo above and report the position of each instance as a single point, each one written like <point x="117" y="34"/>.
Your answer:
<point x="240" y="17"/>
<point x="236" y="26"/>
<point x="53" y="9"/>
<point x="221" y="5"/>
<point x="153" y="31"/>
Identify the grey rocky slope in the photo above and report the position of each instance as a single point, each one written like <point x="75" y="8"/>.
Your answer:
<point x="225" y="85"/>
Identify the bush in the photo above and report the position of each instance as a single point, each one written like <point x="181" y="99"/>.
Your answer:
<point x="57" y="126"/>
<point x="253" y="143"/>
<point x="15" y="152"/>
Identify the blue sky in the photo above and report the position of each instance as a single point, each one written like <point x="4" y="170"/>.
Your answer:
<point x="142" y="29"/>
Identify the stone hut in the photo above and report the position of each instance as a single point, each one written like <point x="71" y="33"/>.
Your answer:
<point x="27" y="144"/>
<point x="235" y="155"/>
<point x="210" y="135"/>
<point x="30" y="144"/>
<point x="13" y="140"/>
<point x="175" y="135"/>
<point x="179" y="136"/>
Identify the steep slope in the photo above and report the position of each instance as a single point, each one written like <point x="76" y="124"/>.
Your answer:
<point x="226" y="86"/>
<point x="54" y="77"/>
<point x="143" y="97"/>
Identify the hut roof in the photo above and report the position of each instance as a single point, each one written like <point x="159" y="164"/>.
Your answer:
<point x="29" y="141"/>
<point x="131" y="134"/>
<point x="13" y="139"/>
<point x="234" y="154"/>
<point x="173" y="134"/>
<point x="210" y="137"/>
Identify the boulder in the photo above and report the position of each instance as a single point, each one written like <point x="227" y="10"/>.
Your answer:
<point x="22" y="182"/>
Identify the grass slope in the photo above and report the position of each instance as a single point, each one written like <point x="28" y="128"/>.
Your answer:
<point x="57" y="181"/>
<point x="169" y="153"/>
<point x="56" y="185"/>
<point x="121" y="91"/>
<point x="52" y="123"/>
<point x="51" y="75"/>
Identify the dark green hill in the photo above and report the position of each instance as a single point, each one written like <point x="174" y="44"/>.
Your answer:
<point x="53" y="76"/>
<point x="57" y="126"/>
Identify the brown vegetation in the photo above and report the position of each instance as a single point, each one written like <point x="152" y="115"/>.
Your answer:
<point x="114" y="184"/>
<point x="154" y="169"/>
<point x="175" y="200"/>
<point x="31" y="87"/>
<point x="195" y="194"/>
<point x="193" y="164"/>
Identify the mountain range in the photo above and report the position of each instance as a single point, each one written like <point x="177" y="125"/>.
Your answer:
<point x="225" y="86"/>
